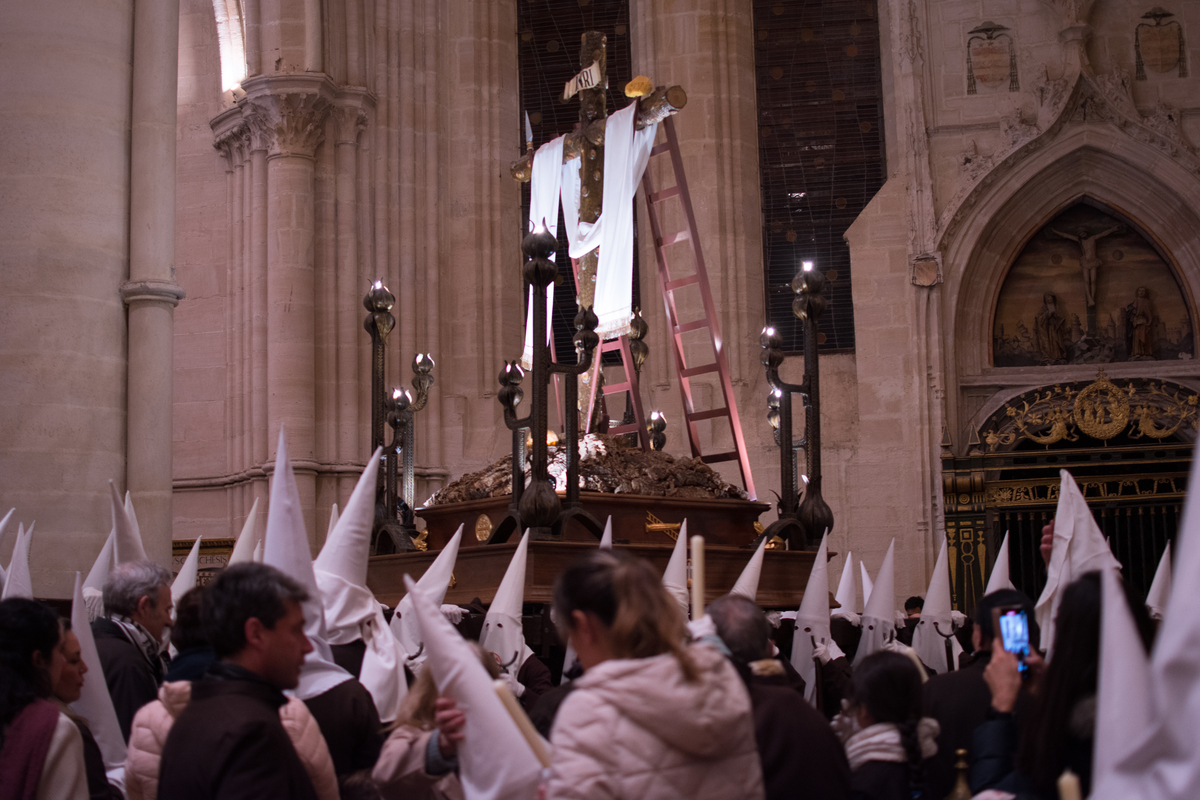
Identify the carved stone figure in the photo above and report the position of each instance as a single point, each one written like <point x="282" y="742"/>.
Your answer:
<point x="1140" y="319"/>
<point x="1089" y="262"/>
<point x="1050" y="331"/>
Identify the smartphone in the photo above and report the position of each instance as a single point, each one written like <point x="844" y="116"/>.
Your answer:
<point x="1013" y="626"/>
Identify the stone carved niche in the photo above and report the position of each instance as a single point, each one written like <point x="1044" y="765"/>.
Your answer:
<point x="1089" y="288"/>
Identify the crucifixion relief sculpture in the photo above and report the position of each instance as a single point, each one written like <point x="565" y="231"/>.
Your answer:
<point x="1089" y="262"/>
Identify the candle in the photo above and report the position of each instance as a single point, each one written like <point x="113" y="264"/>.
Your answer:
<point x="697" y="577"/>
<point x="1068" y="786"/>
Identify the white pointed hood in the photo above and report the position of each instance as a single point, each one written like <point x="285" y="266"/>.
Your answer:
<point x="248" y="540"/>
<point x="494" y="760"/>
<point x="3" y="525"/>
<point x="1160" y="589"/>
<point x="928" y="641"/>
<point x="258" y="553"/>
<point x="812" y="620"/>
<point x="879" y="616"/>
<point x="94" y="703"/>
<point x="502" y="631"/>
<point x="846" y="596"/>
<point x="866" y="584"/>
<point x="1162" y="764"/>
<point x="434" y="583"/>
<point x="347" y="549"/>
<point x="747" y="582"/>
<point x="351" y="611"/>
<point x="285" y="547"/>
<point x="333" y="519"/>
<point x="1123" y="703"/>
<point x="606" y="539"/>
<point x="93" y="584"/>
<point x="129" y="541"/>
<point x="131" y="515"/>
<point x="675" y="577"/>
<point x="185" y="581"/>
<point x="18" y="583"/>
<point x="999" y="578"/>
<point x="1079" y="547"/>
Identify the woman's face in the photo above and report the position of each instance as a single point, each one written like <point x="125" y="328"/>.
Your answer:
<point x="68" y="684"/>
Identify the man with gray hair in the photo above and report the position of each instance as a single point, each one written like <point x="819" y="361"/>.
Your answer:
<point x="137" y="607"/>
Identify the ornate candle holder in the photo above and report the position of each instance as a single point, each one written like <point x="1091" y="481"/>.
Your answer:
<point x="801" y="524"/>
<point x="538" y="507"/>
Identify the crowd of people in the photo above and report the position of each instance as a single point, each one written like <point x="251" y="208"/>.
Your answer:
<point x="651" y="705"/>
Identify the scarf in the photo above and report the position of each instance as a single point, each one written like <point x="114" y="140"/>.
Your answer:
<point x="882" y="742"/>
<point x="25" y="747"/>
<point x="140" y="637"/>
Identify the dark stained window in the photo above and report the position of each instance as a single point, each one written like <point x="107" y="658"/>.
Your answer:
<point x="821" y="156"/>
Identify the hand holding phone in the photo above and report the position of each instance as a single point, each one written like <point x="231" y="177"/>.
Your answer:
<point x="1011" y="625"/>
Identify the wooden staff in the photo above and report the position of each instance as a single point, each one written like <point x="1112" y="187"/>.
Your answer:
<point x="536" y="743"/>
<point x="697" y="543"/>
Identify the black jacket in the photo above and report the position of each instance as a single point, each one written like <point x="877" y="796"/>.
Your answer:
<point x="228" y="743"/>
<point x="350" y="724"/>
<point x="801" y="756"/>
<point x="132" y="680"/>
<point x="959" y="701"/>
<point x="93" y="764"/>
<point x="190" y="664"/>
<point x="882" y="780"/>
<point x="993" y="762"/>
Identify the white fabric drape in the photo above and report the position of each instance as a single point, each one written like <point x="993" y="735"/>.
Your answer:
<point x="544" y="189"/>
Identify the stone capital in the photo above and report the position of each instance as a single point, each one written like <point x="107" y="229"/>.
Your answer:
<point x="286" y="115"/>
<point x="350" y="116"/>
<point x="152" y="291"/>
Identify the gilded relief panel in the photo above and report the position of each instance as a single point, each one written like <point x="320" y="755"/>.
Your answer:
<point x="1089" y="288"/>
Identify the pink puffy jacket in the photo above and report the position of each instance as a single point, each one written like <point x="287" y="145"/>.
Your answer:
<point x="635" y="728"/>
<point x="153" y="722"/>
<point x="400" y="771"/>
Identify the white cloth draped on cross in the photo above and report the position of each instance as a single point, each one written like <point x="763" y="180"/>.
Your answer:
<point x="626" y="153"/>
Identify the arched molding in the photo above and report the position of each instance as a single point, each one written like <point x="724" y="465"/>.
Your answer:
<point x="1136" y="181"/>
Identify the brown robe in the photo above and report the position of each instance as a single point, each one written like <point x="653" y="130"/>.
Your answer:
<point x="350" y="724"/>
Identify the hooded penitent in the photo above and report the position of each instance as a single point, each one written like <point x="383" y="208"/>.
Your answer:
<point x="185" y="581"/>
<point x="936" y="626"/>
<point x="434" y="584"/>
<point x="879" y="616"/>
<point x="129" y="540"/>
<point x="93" y="584"/>
<point x="606" y="539"/>
<point x="17" y="582"/>
<point x="3" y="525"/>
<point x="812" y="621"/>
<point x="1162" y="762"/>
<point x="1123" y="703"/>
<point x="747" y="582"/>
<point x="494" y="760"/>
<point x="333" y="521"/>
<point x="248" y="540"/>
<point x="94" y="703"/>
<point x="846" y="596"/>
<point x="502" y="631"/>
<point x="675" y="578"/>
<point x="866" y="584"/>
<point x="351" y="611"/>
<point x="999" y="578"/>
<point x="1160" y="589"/>
<point x="285" y="547"/>
<point x="1079" y="547"/>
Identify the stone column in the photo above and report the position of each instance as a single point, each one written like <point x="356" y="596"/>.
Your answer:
<point x="151" y="292"/>
<point x="291" y="113"/>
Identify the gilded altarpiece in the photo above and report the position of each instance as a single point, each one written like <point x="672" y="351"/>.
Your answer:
<point x="1128" y="443"/>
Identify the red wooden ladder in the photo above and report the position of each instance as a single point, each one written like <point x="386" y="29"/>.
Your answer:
<point x="709" y="321"/>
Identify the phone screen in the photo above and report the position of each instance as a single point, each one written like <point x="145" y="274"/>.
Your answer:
<point x="1014" y="632"/>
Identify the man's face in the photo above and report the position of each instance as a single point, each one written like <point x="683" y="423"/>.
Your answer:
<point x="285" y="647"/>
<point x="69" y="685"/>
<point x="155" y="616"/>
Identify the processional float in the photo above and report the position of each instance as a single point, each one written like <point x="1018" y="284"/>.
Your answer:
<point x="564" y="520"/>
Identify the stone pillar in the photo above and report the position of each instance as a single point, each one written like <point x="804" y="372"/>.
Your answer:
<point x="64" y="227"/>
<point x="291" y="112"/>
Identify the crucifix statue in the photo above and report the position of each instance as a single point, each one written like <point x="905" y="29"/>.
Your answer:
<point x="1089" y="262"/>
<point x="586" y="143"/>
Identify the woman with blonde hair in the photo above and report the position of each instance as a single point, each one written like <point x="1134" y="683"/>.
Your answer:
<point x="419" y="759"/>
<point x="651" y="717"/>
